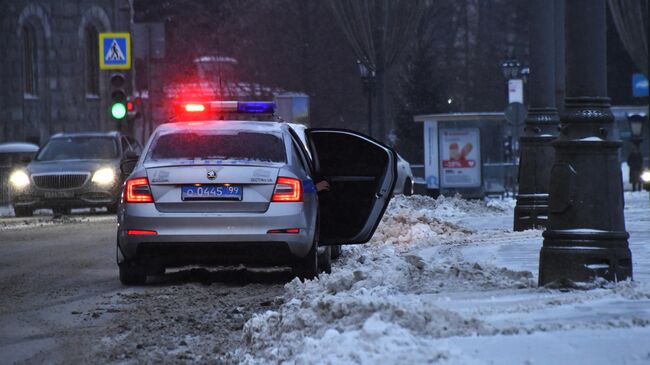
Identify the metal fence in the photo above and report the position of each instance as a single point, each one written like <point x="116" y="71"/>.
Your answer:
<point x="500" y="178"/>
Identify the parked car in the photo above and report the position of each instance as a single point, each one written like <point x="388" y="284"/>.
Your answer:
<point x="224" y="192"/>
<point x="13" y="155"/>
<point x="405" y="179"/>
<point x="72" y="170"/>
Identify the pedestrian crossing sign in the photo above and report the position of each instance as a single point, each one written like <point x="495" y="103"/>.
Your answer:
<point x="115" y="51"/>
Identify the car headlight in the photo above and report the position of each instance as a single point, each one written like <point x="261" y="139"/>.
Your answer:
<point x="104" y="176"/>
<point x="19" y="179"/>
<point x="645" y="176"/>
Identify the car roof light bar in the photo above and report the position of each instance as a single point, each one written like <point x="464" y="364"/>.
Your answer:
<point x="252" y="107"/>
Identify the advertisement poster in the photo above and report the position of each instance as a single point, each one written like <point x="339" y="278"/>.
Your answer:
<point x="460" y="157"/>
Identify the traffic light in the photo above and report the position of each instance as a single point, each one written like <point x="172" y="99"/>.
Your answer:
<point x="118" y="96"/>
<point x="133" y="107"/>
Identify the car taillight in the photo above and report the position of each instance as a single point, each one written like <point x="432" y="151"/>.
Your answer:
<point x="287" y="189"/>
<point x="141" y="232"/>
<point x="286" y="230"/>
<point x="138" y="191"/>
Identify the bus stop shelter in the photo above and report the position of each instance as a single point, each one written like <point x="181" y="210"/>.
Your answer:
<point x="467" y="154"/>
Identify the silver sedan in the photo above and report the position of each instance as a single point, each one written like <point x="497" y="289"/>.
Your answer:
<point x="236" y="192"/>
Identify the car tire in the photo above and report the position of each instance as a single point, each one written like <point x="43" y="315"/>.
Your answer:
<point x="307" y="267"/>
<point x="61" y="210"/>
<point x="408" y="188"/>
<point x="325" y="260"/>
<point x="336" y="251"/>
<point x="23" y="211"/>
<point x="132" y="274"/>
<point x="112" y="209"/>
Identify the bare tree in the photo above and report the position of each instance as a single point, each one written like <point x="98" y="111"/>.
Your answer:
<point x="631" y="20"/>
<point x="378" y="31"/>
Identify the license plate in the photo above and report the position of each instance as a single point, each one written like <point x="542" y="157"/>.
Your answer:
<point x="58" y="194"/>
<point x="211" y="192"/>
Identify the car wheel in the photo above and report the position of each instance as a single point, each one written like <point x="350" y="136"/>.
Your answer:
<point x="61" y="210"/>
<point x="23" y="211"/>
<point x="336" y="251"/>
<point x="132" y="274"/>
<point x="325" y="260"/>
<point x="408" y="188"/>
<point x="112" y="209"/>
<point x="307" y="267"/>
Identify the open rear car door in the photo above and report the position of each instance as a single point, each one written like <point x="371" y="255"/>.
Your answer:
<point x="362" y="174"/>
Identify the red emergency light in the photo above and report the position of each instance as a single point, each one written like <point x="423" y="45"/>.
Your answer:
<point x="194" y="108"/>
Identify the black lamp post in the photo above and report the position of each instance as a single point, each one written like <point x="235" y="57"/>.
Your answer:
<point x="585" y="237"/>
<point x="540" y="128"/>
<point x="511" y="69"/>
<point x="368" y="81"/>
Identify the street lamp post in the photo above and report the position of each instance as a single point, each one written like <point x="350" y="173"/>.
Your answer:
<point x="635" y="157"/>
<point x="514" y="76"/>
<point x="368" y="81"/>
<point x="585" y="237"/>
<point x="536" y="152"/>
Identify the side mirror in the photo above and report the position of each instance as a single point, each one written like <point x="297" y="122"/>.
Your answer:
<point x="128" y="163"/>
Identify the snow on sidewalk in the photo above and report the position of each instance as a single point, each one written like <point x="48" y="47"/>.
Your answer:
<point x="447" y="281"/>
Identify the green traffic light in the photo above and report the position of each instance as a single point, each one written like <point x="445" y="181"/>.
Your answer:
<point x="118" y="110"/>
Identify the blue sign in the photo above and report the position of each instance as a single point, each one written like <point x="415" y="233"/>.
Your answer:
<point x="639" y="85"/>
<point x="114" y="51"/>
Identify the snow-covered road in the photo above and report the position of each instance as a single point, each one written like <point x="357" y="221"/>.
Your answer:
<point x="447" y="281"/>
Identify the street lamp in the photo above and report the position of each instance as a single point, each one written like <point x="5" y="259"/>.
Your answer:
<point x="368" y="81"/>
<point x="510" y="69"/>
<point x="636" y="122"/>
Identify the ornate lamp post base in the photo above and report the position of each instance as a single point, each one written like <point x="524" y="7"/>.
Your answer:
<point x="602" y="254"/>
<point x="586" y="236"/>
<point x="531" y="211"/>
<point x="537" y="155"/>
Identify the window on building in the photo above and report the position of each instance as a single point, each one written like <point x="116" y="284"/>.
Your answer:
<point x="30" y="61"/>
<point x="92" y="61"/>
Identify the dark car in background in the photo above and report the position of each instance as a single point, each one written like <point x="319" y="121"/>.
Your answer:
<point x="13" y="155"/>
<point x="73" y="170"/>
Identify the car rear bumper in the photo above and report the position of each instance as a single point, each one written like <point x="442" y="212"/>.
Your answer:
<point x="215" y="238"/>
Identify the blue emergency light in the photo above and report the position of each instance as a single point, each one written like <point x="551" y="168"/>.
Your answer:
<point x="256" y="107"/>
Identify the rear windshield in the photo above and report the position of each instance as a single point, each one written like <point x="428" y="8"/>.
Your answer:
<point x="250" y="146"/>
<point x="79" y="148"/>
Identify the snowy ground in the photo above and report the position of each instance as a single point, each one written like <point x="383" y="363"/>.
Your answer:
<point x="442" y="281"/>
<point x="447" y="281"/>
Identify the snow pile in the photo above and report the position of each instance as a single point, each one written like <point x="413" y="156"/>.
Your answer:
<point x="379" y="299"/>
<point x="449" y="207"/>
<point x="415" y="220"/>
<point x="414" y="295"/>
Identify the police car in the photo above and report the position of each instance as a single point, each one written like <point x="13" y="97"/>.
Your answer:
<point x="217" y="190"/>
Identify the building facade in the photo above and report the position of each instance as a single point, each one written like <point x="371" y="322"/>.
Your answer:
<point x="49" y="66"/>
